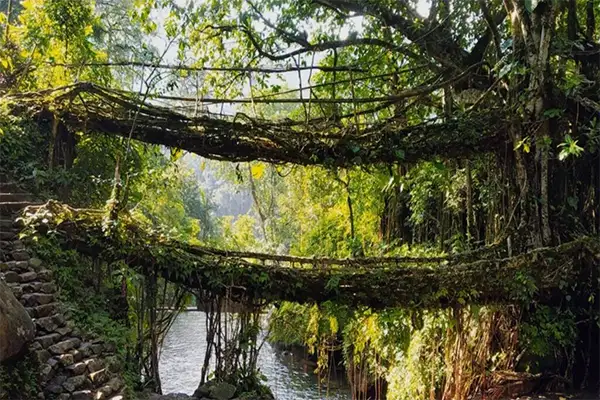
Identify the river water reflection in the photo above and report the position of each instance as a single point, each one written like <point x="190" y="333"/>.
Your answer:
<point x="288" y="375"/>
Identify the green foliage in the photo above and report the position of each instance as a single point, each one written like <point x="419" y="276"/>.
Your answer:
<point x="57" y="31"/>
<point x="548" y="331"/>
<point x="569" y="148"/>
<point x="19" y="379"/>
<point x="23" y="146"/>
<point x="285" y="321"/>
<point x="419" y="369"/>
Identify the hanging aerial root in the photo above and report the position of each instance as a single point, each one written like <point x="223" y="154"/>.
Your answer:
<point x="543" y="275"/>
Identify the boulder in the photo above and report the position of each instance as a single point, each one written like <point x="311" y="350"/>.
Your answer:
<point x="203" y="390"/>
<point x="215" y="390"/>
<point x="16" y="326"/>
<point x="222" y="391"/>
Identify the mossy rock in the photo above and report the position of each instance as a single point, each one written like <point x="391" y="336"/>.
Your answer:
<point x="216" y="391"/>
<point x="222" y="391"/>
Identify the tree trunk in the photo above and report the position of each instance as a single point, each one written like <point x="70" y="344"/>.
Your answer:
<point x="261" y="215"/>
<point x="154" y="339"/>
<point x="532" y="33"/>
<point x="544" y="149"/>
<point x="469" y="201"/>
<point x="590" y="20"/>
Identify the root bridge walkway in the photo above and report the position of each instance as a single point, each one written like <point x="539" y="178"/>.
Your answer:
<point x="545" y="275"/>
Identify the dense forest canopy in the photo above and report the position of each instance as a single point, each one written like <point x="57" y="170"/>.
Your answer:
<point x="354" y="128"/>
<point x="515" y="79"/>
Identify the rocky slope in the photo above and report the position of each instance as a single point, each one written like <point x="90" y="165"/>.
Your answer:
<point x="71" y="365"/>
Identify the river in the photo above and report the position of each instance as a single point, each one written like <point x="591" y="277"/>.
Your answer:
<point x="289" y="374"/>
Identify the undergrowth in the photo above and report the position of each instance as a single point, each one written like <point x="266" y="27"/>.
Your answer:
<point x="18" y="379"/>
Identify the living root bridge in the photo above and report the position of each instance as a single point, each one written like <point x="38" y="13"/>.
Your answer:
<point x="541" y="275"/>
<point x="89" y="107"/>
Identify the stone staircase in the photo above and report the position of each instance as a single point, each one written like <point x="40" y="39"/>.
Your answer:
<point x="70" y="367"/>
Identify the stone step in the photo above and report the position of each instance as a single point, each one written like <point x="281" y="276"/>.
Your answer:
<point x="37" y="299"/>
<point x="104" y="392"/>
<point x="15" y="196"/>
<point x="115" y="384"/>
<point x="93" y="364"/>
<point x="16" y="266"/>
<point x="29" y="277"/>
<point x="56" y="320"/>
<point x="6" y="235"/>
<point x="45" y="275"/>
<point x="12" y="229"/>
<point x="64" y="346"/>
<point x="76" y="383"/>
<point x="10" y="208"/>
<point x="7" y="224"/>
<point x="84" y="395"/>
<point x="9" y="186"/>
<point x="44" y="310"/>
<point x="77" y="368"/>
<point x="20" y="255"/>
<point x="12" y="277"/>
<point x="48" y="340"/>
<point x="99" y="377"/>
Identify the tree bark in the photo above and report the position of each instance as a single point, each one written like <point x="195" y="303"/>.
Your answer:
<point x="544" y="149"/>
<point x="154" y="340"/>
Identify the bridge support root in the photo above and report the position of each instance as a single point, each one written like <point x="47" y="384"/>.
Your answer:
<point x="234" y="339"/>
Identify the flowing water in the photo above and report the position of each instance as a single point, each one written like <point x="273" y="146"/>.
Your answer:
<point x="289" y="375"/>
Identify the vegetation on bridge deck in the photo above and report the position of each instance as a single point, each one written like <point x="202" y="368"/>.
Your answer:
<point x="544" y="275"/>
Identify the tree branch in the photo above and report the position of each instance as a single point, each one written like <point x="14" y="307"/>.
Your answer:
<point x="264" y="70"/>
<point x="437" y="43"/>
<point x="323" y="46"/>
<point x="493" y="26"/>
